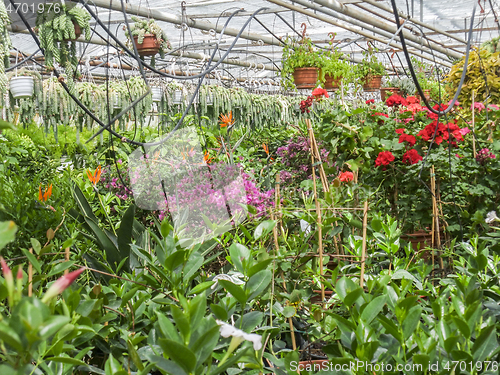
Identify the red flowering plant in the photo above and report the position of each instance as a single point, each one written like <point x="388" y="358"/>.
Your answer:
<point x="406" y="132"/>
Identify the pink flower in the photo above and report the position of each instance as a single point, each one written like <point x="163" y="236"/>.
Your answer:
<point x="493" y="106"/>
<point x="477" y="105"/>
<point x="458" y="156"/>
<point x="464" y="131"/>
<point x="61" y="284"/>
<point x="457" y="103"/>
<point x="9" y="280"/>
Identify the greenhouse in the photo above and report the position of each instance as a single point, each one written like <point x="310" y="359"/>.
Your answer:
<point x="207" y="187"/>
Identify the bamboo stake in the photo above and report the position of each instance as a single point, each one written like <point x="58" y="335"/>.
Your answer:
<point x="318" y="211"/>
<point x="66" y="271"/>
<point x="473" y="127"/>
<point x="30" y="277"/>
<point x="363" y="247"/>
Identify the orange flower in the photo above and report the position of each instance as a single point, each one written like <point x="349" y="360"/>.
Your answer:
<point x="187" y="153"/>
<point x="226" y="120"/>
<point x="94" y="177"/>
<point x="206" y="158"/>
<point x="44" y="196"/>
<point x="266" y="148"/>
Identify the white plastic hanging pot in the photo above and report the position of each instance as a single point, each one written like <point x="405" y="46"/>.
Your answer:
<point x="157" y="93"/>
<point x="177" y="97"/>
<point x="22" y="87"/>
<point x="210" y="99"/>
<point x="116" y="101"/>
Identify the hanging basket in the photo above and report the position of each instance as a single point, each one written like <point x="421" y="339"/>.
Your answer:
<point x="177" y="97"/>
<point x="157" y="94"/>
<point x="305" y="78"/>
<point x="372" y="82"/>
<point x="332" y="83"/>
<point x="209" y="99"/>
<point x="116" y="101"/>
<point x="385" y="92"/>
<point x="149" y="46"/>
<point x="22" y="87"/>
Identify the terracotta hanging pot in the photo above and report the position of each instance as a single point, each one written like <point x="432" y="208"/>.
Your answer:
<point x="372" y="82"/>
<point x="78" y="32"/>
<point x="149" y="46"/>
<point x="385" y="92"/>
<point x="305" y="78"/>
<point x="331" y="83"/>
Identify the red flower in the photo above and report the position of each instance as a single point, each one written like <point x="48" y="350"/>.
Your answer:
<point x="412" y="100"/>
<point x="319" y="92"/>
<point x="346" y="177"/>
<point x="400" y="131"/>
<point x="370" y="101"/>
<point x="411" y="157"/>
<point x="407" y="138"/>
<point x="395" y="100"/>
<point x="384" y="158"/>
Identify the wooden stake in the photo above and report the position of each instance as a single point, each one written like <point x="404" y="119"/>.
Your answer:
<point x="363" y="247"/>
<point x="318" y="210"/>
<point x="66" y="271"/>
<point x="30" y="277"/>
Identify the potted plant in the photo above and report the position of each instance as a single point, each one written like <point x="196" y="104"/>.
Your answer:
<point x="390" y="86"/>
<point x="58" y="29"/>
<point x="370" y="71"/>
<point x="148" y="38"/>
<point x="22" y="83"/>
<point x="334" y="69"/>
<point x="301" y="61"/>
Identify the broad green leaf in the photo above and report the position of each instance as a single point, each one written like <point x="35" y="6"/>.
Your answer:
<point x="411" y="321"/>
<point x="373" y="308"/>
<point x="263" y="228"/>
<point x="32" y="260"/>
<point x="52" y="325"/>
<point x="201" y="287"/>
<point x="235" y="290"/>
<point x="485" y="344"/>
<point x="179" y="353"/>
<point x="10" y="337"/>
<point x="239" y="256"/>
<point x="124" y="234"/>
<point x="8" y="231"/>
<point x="258" y="283"/>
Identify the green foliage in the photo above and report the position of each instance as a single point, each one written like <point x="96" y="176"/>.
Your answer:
<point x="56" y="29"/>
<point x="298" y="54"/>
<point x="483" y="66"/>
<point x="370" y="65"/>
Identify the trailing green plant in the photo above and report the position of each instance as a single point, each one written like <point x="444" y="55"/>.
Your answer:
<point x="56" y="28"/>
<point x="5" y="46"/>
<point x="142" y="27"/>
<point x="57" y="107"/>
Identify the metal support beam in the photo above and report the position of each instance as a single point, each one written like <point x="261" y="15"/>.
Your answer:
<point x="335" y="5"/>
<point x="345" y="26"/>
<point x="420" y="23"/>
<point x="172" y="18"/>
<point x="190" y="55"/>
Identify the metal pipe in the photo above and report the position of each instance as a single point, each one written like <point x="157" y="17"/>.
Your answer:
<point x="346" y="27"/>
<point x="335" y="5"/>
<point x="362" y="25"/>
<point x="191" y="55"/>
<point x="420" y="23"/>
<point x="171" y="18"/>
